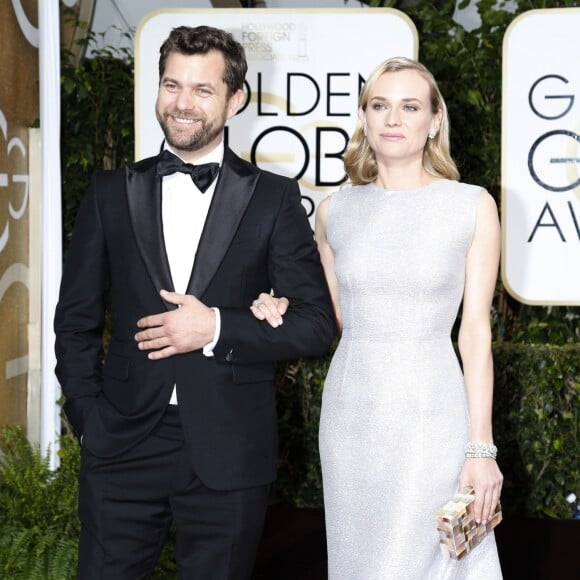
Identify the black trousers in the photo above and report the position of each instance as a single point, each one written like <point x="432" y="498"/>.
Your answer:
<point x="127" y="504"/>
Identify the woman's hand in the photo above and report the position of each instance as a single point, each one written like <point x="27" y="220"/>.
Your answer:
<point x="484" y="476"/>
<point x="269" y="308"/>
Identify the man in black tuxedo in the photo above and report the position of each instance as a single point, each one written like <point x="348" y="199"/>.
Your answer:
<point x="180" y="423"/>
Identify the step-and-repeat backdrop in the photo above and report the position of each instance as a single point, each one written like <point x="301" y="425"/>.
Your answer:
<point x="306" y="69"/>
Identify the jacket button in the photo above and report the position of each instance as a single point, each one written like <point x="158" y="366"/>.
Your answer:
<point x="230" y="356"/>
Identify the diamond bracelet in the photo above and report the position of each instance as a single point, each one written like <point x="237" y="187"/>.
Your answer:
<point x="480" y="449"/>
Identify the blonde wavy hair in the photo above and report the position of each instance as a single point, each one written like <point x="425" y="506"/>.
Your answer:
<point x="359" y="159"/>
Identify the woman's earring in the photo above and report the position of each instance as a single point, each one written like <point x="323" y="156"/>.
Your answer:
<point x="432" y="133"/>
<point x="365" y="129"/>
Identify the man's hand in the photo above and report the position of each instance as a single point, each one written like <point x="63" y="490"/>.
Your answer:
<point x="190" y="327"/>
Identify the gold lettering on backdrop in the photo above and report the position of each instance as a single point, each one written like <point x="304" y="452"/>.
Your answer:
<point x="19" y="109"/>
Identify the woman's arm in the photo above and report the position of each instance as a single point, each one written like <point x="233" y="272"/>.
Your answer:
<point x="476" y="355"/>
<point x="272" y="309"/>
<point x="327" y="257"/>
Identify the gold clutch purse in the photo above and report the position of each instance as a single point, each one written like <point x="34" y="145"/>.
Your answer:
<point x="458" y="531"/>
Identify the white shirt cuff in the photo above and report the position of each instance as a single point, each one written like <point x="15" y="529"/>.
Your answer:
<point x="208" y="348"/>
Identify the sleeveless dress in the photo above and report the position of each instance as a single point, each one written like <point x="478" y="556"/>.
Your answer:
<point x="394" y="418"/>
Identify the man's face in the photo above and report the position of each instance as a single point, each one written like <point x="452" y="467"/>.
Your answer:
<point x="192" y="103"/>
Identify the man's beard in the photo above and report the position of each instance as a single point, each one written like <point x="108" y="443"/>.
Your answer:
<point x="185" y="141"/>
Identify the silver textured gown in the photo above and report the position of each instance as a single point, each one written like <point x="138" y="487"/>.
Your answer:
<point x="394" y="417"/>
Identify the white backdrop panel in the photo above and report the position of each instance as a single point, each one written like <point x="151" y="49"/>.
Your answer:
<point x="305" y="71"/>
<point x="541" y="157"/>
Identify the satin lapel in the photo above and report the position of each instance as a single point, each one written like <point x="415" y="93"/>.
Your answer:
<point x="144" y="199"/>
<point x="232" y="194"/>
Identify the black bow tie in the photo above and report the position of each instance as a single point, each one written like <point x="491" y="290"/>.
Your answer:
<point x="202" y="175"/>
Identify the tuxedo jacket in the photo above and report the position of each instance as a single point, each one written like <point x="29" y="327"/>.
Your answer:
<point x="256" y="237"/>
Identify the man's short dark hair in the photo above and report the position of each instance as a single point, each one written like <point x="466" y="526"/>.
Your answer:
<point x="201" y="40"/>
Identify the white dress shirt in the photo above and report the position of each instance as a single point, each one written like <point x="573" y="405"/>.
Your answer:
<point x="183" y="212"/>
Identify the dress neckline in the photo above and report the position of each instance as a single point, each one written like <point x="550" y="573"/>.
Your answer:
<point x="405" y="191"/>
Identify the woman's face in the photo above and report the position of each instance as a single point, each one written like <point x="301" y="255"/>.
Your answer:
<point x="398" y="117"/>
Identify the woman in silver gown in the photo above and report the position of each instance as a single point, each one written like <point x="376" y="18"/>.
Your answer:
<point x="403" y="245"/>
